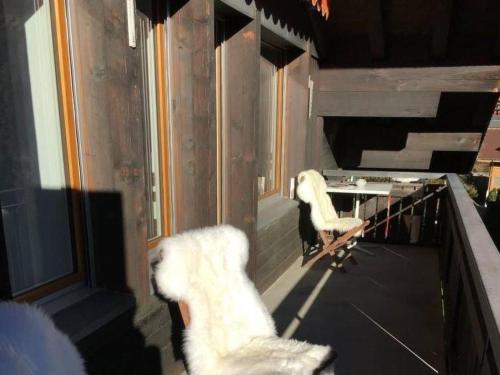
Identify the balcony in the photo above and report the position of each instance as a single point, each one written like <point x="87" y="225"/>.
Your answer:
<point x="430" y="307"/>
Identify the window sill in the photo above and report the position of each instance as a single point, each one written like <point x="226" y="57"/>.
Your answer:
<point x="272" y="208"/>
<point x="86" y="316"/>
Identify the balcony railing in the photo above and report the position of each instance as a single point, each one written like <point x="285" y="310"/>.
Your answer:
<point x="470" y="276"/>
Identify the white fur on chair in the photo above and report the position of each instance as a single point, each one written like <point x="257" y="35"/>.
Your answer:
<point x="30" y="344"/>
<point x="231" y="331"/>
<point x="312" y="190"/>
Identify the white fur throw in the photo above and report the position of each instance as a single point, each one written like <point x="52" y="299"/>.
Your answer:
<point x="312" y="190"/>
<point x="231" y="331"/>
<point x="30" y="344"/>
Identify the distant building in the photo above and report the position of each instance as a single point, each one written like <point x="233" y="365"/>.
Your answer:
<point x="489" y="155"/>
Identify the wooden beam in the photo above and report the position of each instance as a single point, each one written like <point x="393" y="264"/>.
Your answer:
<point x="404" y="159"/>
<point x="441" y="27"/>
<point x="375" y="28"/>
<point x="376" y="104"/>
<point x="393" y="174"/>
<point x="443" y="141"/>
<point x="417" y="153"/>
<point x="453" y="79"/>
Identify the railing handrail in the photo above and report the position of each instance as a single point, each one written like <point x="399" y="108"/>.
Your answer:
<point x="408" y="207"/>
<point x="482" y="255"/>
<point x="393" y="174"/>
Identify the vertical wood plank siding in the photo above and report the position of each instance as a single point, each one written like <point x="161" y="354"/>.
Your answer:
<point x="109" y="92"/>
<point x="241" y="116"/>
<point x="193" y="114"/>
<point x="315" y="134"/>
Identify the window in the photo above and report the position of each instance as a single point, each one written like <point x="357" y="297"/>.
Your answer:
<point x="42" y="248"/>
<point x="270" y="120"/>
<point x="155" y="123"/>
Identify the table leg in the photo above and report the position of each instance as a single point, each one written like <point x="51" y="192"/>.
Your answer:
<point x="356" y="210"/>
<point x="388" y="215"/>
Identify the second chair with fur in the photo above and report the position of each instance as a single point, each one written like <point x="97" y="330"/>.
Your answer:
<point x="230" y="332"/>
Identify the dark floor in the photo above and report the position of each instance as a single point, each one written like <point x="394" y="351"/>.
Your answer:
<point x="383" y="316"/>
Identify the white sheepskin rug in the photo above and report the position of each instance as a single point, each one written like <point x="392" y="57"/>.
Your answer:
<point x="312" y="190"/>
<point x="231" y="331"/>
<point x="30" y="344"/>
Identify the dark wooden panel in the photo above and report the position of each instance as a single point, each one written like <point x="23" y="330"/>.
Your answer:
<point x="315" y="135"/>
<point x="193" y="114"/>
<point x="110" y="110"/>
<point x="441" y="27"/>
<point x="241" y="116"/>
<point x="461" y="78"/>
<point x="279" y="245"/>
<point x="378" y="104"/>
<point x="375" y="28"/>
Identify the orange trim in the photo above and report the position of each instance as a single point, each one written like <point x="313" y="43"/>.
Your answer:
<point x="279" y="125"/>
<point x="279" y="128"/>
<point x="69" y="126"/>
<point x="218" y="119"/>
<point x="152" y="244"/>
<point x="186" y="316"/>
<point x="322" y="6"/>
<point x="162" y="104"/>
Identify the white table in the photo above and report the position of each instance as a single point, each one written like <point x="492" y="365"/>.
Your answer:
<point x="371" y="188"/>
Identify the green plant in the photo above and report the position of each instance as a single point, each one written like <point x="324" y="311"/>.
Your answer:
<point x="472" y="190"/>
<point x="469" y="186"/>
<point x="493" y="195"/>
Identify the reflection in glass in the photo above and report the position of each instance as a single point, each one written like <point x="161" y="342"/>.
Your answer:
<point x="267" y="145"/>
<point x="33" y="194"/>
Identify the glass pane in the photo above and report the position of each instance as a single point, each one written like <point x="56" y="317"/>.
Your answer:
<point x="33" y="194"/>
<point x="266" y="145"/>
<point x="152" y="173"/>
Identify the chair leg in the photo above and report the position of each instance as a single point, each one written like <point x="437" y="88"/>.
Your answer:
<point x="329" y="246"/>
<point x="352" y="259"/>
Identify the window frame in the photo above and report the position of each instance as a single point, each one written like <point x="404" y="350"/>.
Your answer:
<point x="71" y="164"/>
<point x="159" y="30"/>
<point x="280" y="72"/>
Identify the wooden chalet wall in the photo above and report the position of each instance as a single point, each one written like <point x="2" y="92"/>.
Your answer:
<point x="110" y="115"/>
<point x="241" y="112"/>
<point x="109" y="91"/>
<point x="192" y="83"/>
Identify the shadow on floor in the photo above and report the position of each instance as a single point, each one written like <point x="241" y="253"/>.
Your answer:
<point x="382" y="317"/>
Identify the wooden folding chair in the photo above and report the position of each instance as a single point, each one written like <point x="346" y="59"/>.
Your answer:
<point x="312" y="190"/>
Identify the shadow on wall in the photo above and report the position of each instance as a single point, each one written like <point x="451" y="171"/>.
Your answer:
<point x="37" y="223"/>
<point x="307" y="233"/>
<point x="104" y="324"/>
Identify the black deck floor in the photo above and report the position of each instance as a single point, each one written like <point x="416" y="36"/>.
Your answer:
<point x="383" y="316"/>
